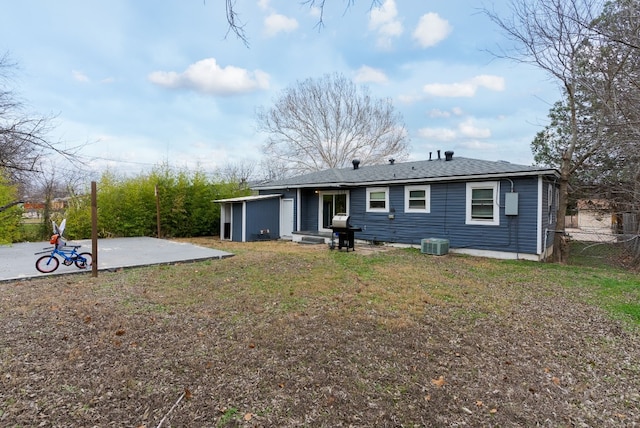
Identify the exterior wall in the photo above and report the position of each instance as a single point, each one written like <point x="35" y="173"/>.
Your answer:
<point x="310" y="208"/>
<point x="447" y="218"/>
<point x="527" y="233"/>
<point x="286" y="194"/>
<point x="262" y="216"/>
<point x="236" y="221"/>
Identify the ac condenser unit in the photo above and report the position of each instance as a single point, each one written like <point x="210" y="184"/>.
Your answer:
<point x="435" y="246"/>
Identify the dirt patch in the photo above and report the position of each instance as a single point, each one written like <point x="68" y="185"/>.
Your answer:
<point x="288" y="335"/>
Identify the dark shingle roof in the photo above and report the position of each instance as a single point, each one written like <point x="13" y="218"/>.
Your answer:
<point x="457" y="168"/>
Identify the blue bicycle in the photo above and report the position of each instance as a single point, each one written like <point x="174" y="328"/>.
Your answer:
<point x="68" y="253"/>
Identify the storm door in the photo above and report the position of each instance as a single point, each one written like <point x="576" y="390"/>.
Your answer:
<point x="332" y="203"/>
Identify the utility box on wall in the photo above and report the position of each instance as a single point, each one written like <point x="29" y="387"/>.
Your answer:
<point x="511" y="203"/>
<point x="435" y="246"/>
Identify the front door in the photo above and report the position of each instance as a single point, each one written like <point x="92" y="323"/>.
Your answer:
<point x="331" y="203"/>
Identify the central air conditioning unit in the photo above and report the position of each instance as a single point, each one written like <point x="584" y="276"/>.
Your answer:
<point x="434" y="246"/>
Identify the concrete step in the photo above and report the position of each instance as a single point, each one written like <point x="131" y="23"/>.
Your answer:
<point x="314" y="240"/>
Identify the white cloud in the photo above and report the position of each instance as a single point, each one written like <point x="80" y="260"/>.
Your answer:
<point x="468" y="129"/>
<point x="464" y="130"/>
<point x="439" y="134"/>
<point x="431" y="30"/>
<point x="409" y="98"/>
<point x="208" y="77"/>
<point x="478" y="145"/>
<point x="368" y="74"/>
<point x="467" y="88"/>
<point x="315" y="12"/>
<point x="263" y="4"/>
<point x="437" y="113"/>
<point x="495" y="83"/>
<point x="384" y="20"/>
<point x="276" y="23"/>
<point x="79" y="76"/>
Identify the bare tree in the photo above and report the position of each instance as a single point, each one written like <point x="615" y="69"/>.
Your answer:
<point x="238" y="172"/>
<point x="552" y="35"/>
<point x="327" y="122"/>
<point x="605" y="115"/>
<point x="237" y="27"/>
<point x="23" y="138"/>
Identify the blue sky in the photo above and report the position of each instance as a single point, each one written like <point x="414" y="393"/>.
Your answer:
<point x="146" y="82"/>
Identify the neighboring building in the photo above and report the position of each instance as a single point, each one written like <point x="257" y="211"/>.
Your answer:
<point x="489" y="208"/>
<point x="595" y="221"/>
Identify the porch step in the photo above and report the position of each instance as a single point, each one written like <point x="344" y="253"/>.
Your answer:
<point x="313" y="240"/>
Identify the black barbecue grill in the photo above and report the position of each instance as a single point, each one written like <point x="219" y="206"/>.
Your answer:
<point x="343" y="230"/>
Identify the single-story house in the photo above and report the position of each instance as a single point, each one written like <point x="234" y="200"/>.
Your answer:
<point x="488" y="208"/>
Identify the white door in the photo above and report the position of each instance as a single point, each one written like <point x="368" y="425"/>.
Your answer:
<point x="286" y="218"/>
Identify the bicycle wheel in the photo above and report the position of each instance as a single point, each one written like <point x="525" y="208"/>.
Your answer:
<point x="47" y="264"/>
<point x="84" y="260"/>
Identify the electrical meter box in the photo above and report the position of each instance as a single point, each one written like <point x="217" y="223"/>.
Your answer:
<point x="511" y="203"/>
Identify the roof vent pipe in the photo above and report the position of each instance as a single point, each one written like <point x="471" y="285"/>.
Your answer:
<point x="439" y="155"/>
<point x="356" y="163"/>
<point x="448" y="155"/>
<point x="430" y="155"/>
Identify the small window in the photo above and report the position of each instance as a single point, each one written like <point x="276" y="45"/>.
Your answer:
<point x="482" y="203"/>
<point x="377" y="199"/>
<point x="416" y="199"/>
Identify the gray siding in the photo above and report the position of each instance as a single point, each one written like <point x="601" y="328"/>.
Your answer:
<point x="263" y="215"/>
<point x="447" y="219"/>
<point x="310" y="206"/>
<point x="286" y="194"/>
<point x="236" y="221"/>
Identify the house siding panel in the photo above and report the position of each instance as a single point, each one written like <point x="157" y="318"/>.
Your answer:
<point x="236" y="215"/>
<point x="263" y="215"/>
<point x="310" y="204"/>
<point x="447" y="216"/>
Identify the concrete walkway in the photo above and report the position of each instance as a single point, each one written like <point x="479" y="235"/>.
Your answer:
<point x="17" y="261"/>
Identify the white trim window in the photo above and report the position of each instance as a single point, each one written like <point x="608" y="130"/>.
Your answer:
<point x="417" y="199"/>
<point x="377" y="199"/>
<point x="482" y="203"/>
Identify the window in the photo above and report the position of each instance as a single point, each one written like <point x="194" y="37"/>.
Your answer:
<point x="377" y="199"/>
<point x="417" y="199"/>
<point x="482" y="203"/>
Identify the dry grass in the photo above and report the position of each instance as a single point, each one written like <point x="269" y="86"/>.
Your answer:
<point x="289" y="335"/>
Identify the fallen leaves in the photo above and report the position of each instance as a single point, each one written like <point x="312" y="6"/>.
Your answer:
<point x="439" y="382"/>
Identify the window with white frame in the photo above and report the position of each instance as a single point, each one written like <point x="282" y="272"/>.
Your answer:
<point x="377" y="199"/>
<point x="417" y="199"/>
<point x="482" y="203"/>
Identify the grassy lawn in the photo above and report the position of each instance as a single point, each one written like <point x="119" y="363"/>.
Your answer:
<point x="288" y="335"/>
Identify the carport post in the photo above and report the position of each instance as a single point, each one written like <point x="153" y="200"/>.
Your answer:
<point x="94" y="230"/>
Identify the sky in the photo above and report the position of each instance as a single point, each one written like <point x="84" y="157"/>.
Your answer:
<point x="140" y="83"/>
